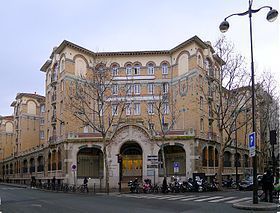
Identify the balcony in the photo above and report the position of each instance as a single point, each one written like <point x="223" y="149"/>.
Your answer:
<point x="53" y="120"/>
<point x="53" y="99"/>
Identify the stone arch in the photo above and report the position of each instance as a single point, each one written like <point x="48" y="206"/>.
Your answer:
<point x="62" y="63"/>
<point x="31" y="165"/>
<point x="200" y="57"/>
<point x="175" y="156"/>
<point x="150" y="63"/>
<point x="183" y="62"/>
<point x="40" y="163"/>
<point x="81" y="65"/>
<point x="90" y="162"/>
<point x="9" y="127"/>
<point x="133" y="126"/>
<point x="31" y="107"/>
<point x="227" y="159"/>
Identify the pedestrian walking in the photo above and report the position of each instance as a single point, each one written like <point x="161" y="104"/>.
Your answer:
<point x="86" y="184"/>
<point x="53" y="183"/>
<point x="267" y="182"/>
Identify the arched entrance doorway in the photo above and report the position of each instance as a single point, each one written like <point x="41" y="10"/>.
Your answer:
<point x="132" y="162"/>
<point x="90" y="163"/>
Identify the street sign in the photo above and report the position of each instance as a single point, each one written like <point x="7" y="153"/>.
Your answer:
<point x="152" y="157"/>
<point x="176" y="167"/>
<point x="252" y="144"/>
<point x="73" y="167"/>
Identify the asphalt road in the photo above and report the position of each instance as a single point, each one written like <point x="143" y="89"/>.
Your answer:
<point x="17" y="200"/>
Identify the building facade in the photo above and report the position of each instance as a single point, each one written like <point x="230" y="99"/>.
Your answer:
<point x="70" y="149"/>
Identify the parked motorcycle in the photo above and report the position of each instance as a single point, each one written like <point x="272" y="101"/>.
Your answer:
<point x="133" y="186"/>
<point x="147" y="186"/>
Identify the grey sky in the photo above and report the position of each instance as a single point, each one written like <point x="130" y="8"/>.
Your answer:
<point x="31" y="28"/>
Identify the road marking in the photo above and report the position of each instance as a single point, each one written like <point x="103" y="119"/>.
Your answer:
<point x="36" y="205"/>
<point x="242" y="199"/>
<point x="193" y="198"/>
<point x="209" y="198"/>
<point x="219" y="200"/>
<point x="0" y="201"/>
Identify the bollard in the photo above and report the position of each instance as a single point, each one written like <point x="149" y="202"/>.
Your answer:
<point x="94" y="188"/>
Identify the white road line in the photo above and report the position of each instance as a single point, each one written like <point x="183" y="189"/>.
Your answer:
<point x="0" y="201"/>
<point x="165" y="197"/>
<point x="209" y="198"/>
<point x="219" y="200"/>
<point x="193" y="198"/>
<point x="181" y="197"/>
<point x="238" y="200"/>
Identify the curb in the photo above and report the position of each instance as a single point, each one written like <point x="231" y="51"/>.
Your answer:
<point x="13" y="185"/>
<point x="261" y="206"/>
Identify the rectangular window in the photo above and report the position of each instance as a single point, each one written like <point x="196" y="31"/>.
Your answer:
<point x="165" y="107"/>
<point x="115" y="89"/>
<point x="128" y="89"/>
<point x="151" y="108"/>
<point x="42" y="108"/>
<point x="201" y="125"/>
<point x="151" y="126"/>
<point x="86" y="128"/>
<point x="137" y="110"/>
<point x="42" y="121"/>
<point x="137" y="89"/>
<point x="151" y="70"/>
<point x="151" y="88"/>
<point x="115" y="71"/>
<point x="165" y="88"/>
<point x="128" y="109"/>
<point x="164" y="69"/>
<point x="42" y="135"/>
<point x="128" y="70"/>
<point x="137" y="70"/>
<point x="114" y="109"/>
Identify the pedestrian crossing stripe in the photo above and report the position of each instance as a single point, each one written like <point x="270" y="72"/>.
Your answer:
<point x="194" y="198"/>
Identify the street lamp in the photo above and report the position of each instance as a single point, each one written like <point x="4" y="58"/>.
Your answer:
<point x="271" y="16"/>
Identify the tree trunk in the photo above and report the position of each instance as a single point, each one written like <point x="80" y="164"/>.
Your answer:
<point x="106" y="167"/>
<point x="163" y="160"/>
<point x="221" y="160"/>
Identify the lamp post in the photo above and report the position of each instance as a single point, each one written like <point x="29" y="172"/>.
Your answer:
<point x="271" y="16"/>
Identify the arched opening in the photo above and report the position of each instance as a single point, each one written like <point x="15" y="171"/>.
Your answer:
<point x="32" y="165"/>
<point x="90" y="163"/>
<point x="175" y="160"/>
<point x="25" y="166"/>
<point x="11" y="168"/>
<point x="53" y="160"/>
<point x="7" y="169"/>
<point x="59" y="165"/>
<point x="216" y="158"/>
<point x="237" y="158"/>
<point x="204" y="156"/>
<point x="40" y="167"/>
<point x="132" y="162"/>
<point x="211" y="156"/>
<point x="49" y="161"/>
<point x="227" y="159"/>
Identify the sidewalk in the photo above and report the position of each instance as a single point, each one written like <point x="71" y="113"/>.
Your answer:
<point x="261" y="206"/>
<point x="14" y="185"/>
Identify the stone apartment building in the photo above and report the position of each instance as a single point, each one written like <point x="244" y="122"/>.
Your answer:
<point x="69" y="149"/>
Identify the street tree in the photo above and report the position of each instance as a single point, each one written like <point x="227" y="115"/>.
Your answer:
<point x="99" y="102"/>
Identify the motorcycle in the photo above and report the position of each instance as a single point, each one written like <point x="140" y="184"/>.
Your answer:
<point x="147" y="186"/>
<point x="133" y="186"/>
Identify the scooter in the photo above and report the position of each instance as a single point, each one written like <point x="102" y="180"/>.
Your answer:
<point x="133" y="186"/>
<point x="147" y="186"/>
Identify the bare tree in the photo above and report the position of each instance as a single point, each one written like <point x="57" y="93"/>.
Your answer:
<point x="228" y="97"/>
<point x="268" y="108"/>
<point x="161" y="117"/>
<point x="98" y="101"/>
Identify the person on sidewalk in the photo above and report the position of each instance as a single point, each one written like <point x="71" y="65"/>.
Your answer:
<point x="267" y="182"/>
<point x="86" y="184"/>
<point x="53" y="183"/>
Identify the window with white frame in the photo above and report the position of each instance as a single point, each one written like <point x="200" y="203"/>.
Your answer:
<point x="115" y="71"/>
<point x="165" y="108"/>
<point x="115" y="89"/>
<point x="137" y="69"/>
<point x="151" y="108"/>
<point x="114" y="109"/>
<point x="42" y="108"/>
<point x="151" y="69"/>
<point x="128" y="109"/>
<point x="42" y="121"/>
<point x="137" y="89"/>
<point x="151" y="87"/>
<point x="128" y="70"/>
<point x="128" y="89"/>
<point x="86" y="129"/>
<point x="165" y="88"/>
<point x="42" y="135"/>
<point x="137" y="109"/>
<point x="164" y="68"/>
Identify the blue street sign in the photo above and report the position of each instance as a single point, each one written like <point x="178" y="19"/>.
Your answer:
<point x="252" y="144"/>
<point x="176" y="165"/>
<point x="252" y="138"/>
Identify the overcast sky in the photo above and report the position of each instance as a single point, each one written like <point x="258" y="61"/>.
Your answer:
<point x="31" y="28"/>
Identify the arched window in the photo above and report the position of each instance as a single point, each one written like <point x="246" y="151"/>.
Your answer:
<point x="9" y="127"/>
<point x="115" y="70"/>
<point x="128" y="69"/>
<point x="80" y="67"/>
<point x="227" y="159"/>
<point x="31" y="107"/>
<point x="62" y="65"/>
<point x="151" y="69"/>
<point x="216" y="158"/>
<point x="204" y="156"/>
<point x="59" y="160"/>
<point x="32" y="165"/>
<point x="136" y="69"/>
<point x="40" y="167"/>
<point x="164" y="68"/>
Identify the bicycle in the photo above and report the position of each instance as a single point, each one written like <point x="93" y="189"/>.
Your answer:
<point x="82" y="188"/>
